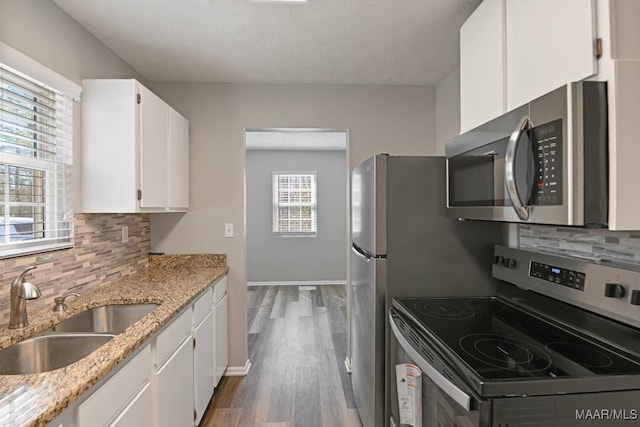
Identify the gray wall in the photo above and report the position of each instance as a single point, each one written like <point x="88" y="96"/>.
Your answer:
<point x="447" y="110"/>
<point x="67" y="48"/>
<point x="275" y="258"/>
<point x="393" y="119"/>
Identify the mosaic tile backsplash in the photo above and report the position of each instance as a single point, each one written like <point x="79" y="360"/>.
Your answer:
<point x="98" y="257"/>
<point x="620" y="248"/>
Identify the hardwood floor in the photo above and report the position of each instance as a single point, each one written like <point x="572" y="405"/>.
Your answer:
<point x="297" y="347"/>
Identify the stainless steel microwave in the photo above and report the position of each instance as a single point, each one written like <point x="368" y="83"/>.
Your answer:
<point x="545" y="162"/>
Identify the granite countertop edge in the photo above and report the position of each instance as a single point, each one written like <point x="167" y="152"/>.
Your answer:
<point x="172" y="281"/>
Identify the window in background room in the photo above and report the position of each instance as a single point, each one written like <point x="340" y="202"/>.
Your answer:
<point x="36" y="140"/>
<point x="294" y="204"/>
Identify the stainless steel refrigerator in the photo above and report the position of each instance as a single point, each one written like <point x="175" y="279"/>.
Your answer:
<point x="404" y="245"/>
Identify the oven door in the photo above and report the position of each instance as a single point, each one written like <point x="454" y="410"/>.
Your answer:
<point x="446" y="401"/>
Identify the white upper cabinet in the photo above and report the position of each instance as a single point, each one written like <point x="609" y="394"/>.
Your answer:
<point x="549" y="43"/>
<point x="179" y="161"/>
<point x="482" y="65"/>
<point x="513" y="51"/>
<point x="153" y="127"/>
<point x="135" y="150"/>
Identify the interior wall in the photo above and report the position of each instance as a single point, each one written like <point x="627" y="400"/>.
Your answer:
<point x="45" y="33"/>
<point x="392" y="119"/>
<point x="447" y="109"/>
<point x="273" y="258"/>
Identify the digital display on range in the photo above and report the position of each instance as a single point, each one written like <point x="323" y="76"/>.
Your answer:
<point x="560" y="276"/>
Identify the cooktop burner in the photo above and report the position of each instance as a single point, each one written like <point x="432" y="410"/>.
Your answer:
<point x="505" y="352"/>
<point x="485" y="304"/>
<point x="501" y="342"/>
<point x="586" y="355"/>
<point x="444" y="310"/>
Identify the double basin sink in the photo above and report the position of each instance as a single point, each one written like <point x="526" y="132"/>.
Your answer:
<point x="70" y="340"/>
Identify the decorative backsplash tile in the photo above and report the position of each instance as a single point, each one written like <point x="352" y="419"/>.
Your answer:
<point x="97" y="258"/>
<point x="616" y="247"/>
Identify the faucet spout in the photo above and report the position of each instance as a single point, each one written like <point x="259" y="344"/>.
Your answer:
<point x="21" y="291"/>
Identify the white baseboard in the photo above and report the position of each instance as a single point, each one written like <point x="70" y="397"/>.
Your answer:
<point x="299" y="283"/>
<point x="238" y="371"/>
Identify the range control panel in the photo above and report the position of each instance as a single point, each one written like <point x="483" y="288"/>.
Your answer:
<point x="611" y="291"/>
<point x="561" y="276"/>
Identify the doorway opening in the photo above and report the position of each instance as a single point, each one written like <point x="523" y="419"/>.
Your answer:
<point x="297" y="268"/>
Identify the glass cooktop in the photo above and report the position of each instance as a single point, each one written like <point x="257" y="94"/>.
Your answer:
<point x="501" y="342"/>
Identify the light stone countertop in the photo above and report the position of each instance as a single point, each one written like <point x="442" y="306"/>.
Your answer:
<point x="173" y="281"/>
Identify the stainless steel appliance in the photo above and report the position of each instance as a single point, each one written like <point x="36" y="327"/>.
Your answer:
<point x="545" y="162"/>
<point x="403" y="244"/>
<point x="558" y="345"/>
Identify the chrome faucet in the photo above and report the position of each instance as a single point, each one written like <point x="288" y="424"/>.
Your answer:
<point x="21" y="291"/>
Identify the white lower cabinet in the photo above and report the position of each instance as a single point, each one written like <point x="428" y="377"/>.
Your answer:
<point x="114" y="396"/>
<point x="174" y="388"/>
<point x="203" y="369"/>
<point x="139" y="412"/>
<point x="170" y="381"/>
<point x="221" y="329"/>
<point x="222" y="338"/>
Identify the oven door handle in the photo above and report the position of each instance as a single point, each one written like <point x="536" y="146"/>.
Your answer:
<point x="509" y="169"/>
<point x="459" y="396"/>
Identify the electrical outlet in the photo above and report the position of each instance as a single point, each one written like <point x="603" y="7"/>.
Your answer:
<point x="125" y="234"/>
<point x="228" y="230"/>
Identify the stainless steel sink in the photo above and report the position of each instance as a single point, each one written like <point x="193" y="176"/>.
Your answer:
<point x="48" y="352"/>
<point x="106" y="319"/>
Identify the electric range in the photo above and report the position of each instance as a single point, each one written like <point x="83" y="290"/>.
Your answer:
<point x="558" y="344"/>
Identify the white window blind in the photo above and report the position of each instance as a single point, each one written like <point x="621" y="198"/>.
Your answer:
<point x="294" y="204"/>
<point x="36" y="137"/>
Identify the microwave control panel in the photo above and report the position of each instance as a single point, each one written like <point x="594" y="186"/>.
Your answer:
<point x="546" y="144"/>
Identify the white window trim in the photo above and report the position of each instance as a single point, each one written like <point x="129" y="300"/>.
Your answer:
<point x="26" y="67"/>
<point x="313" y="205"/>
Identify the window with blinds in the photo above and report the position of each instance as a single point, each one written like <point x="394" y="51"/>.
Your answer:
<point x="36" y="137"/>
<point x="295" y="204"/>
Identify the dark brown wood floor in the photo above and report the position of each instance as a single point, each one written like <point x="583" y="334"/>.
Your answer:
<point x="297" y="347"/>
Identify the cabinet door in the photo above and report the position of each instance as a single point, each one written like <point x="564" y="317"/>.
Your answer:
<point x="174" y="388"/>
<point x="203" y="365"/>
<point x="222" y="337"/>
<point x="482" y="65"/>
<point x="117" y="392"/>
<point x="139" y="412"/>
<point x="178" y="161"/>
<point x="153" y="128"/>
<point x="549" y="44"/>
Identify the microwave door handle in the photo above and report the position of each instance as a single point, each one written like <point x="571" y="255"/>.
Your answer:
<point x="509" y="169"/>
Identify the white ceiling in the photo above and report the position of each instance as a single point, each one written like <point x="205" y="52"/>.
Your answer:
<point x="322" y="41"/>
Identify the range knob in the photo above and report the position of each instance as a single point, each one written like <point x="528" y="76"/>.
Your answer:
<point x="498" y="260"/>
<point x="510" y="263"/>
<point x="614" y="290"/>
<point x="635" y="297"/>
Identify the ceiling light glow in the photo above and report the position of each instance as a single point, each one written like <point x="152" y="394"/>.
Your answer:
<point x="280" y="1"/>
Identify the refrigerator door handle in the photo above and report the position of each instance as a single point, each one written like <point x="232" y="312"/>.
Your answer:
<point x="361" y="253"/>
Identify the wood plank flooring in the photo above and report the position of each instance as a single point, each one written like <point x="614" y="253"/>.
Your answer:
<point x="297" y="347"/>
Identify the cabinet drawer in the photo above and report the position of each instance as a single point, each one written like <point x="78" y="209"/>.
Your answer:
<point x="139" y="412"/>
<point x="202" y="307"/>
<point x="117" y="392"/>
<point x="219" y="289"/>
<point x="173" y="336"/>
